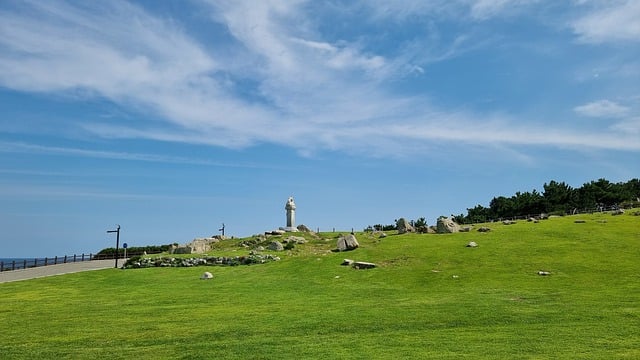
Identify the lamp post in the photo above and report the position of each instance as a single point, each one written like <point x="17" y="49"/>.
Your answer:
<point x="117" y="231"/>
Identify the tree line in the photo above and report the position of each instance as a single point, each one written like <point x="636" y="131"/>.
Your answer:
<point x="558" y="198"/>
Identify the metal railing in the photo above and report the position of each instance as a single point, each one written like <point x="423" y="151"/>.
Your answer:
<point x="17" y="264"/>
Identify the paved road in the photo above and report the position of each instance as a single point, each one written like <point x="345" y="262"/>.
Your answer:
<point x="59" y="269"/>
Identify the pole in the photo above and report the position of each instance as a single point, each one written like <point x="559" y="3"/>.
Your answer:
<point x="117" y="231"/>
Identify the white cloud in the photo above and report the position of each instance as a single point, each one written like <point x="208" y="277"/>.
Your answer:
<point x="308" y="92"/>
<point x="28" y="148"/>
<point x="615" y="21"/>
<point x="485" y="9"/>
<point x="602" y="108"/>
<point x="629" y="126"/>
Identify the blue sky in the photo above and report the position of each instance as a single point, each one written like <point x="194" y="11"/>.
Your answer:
<point x="172" y="117"/>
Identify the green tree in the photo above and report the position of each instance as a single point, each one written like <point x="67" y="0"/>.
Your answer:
<point x="421" y="222"/>
<point x="559" y="197"/>
<point x="502" y="207"/>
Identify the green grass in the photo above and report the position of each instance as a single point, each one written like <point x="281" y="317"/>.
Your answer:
<point x="430" y="297"/>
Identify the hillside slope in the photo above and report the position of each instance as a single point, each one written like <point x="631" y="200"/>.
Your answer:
<point x="429" y="297"/>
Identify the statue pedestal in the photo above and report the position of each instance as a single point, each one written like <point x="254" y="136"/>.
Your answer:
<point x="289" y="229"/>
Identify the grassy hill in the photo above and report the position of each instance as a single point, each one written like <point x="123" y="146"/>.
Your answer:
<point x="429" y="297"/>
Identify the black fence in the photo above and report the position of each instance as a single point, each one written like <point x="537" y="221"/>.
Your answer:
<point x="17" y="264"/>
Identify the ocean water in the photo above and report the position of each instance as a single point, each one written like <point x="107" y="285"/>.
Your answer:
<point x="7" y="263"/>
<point x="21" y="263"/>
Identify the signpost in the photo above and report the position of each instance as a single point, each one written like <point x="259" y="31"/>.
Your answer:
<point x="117" y="231"/>
<point x="124" y="246"/>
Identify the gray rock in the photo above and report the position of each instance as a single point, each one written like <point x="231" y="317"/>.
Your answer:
<point x="484" y="229"/>
<point x="347" y="242"/>
<point x="347" y="262"/>
<point x="618" y="212"/>
<point x="580" y="221"/>
<point x="446" y="225"/>
<point x="303" y="228"/>
<point x="276" y="246"/>
<point x="472" y="244"/>
<point x="182" y="250"/>
<point x="363" y="265"/>
<point x="404" y="226"/>
<point x="295" y="240"/>
<point x="206" y="276"/>
<point x="543" y="273"/>
<point x="465" y="229"/>
<point x="426" y="229"/>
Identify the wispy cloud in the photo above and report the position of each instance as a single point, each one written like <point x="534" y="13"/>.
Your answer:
<point x="276" y="79"/>
<point x="609" y="21"/>
<point x="602" y="108"/>
<point x="28" y="148"/>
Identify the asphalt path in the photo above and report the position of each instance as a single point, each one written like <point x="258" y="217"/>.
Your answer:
<point x="59" y="269"/>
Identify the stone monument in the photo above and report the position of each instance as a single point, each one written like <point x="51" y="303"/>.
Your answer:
<point x="290" y="206"/>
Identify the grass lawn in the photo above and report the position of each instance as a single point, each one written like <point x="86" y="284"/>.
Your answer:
<point x="429" y="297"/>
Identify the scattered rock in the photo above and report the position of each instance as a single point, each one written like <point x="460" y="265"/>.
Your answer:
<point x="484" y="229"/>
<point x="425" y="230"/>
<point x="618" y="212"/>
<point x="303" y="228"/>
<point x="508" y="222"/>
<point x="465" y="229"/>
<point x="363" y="265"/>
<point x="347" y="242"/>
<point x="276" y="246"/>
<point x="472" y="244"/>
<point x="580" y="221"/>
<point x="137" y="262"/>
<point x="543" y="273"/>
<point x="206" y="276"/>
<point x="382" y="235"/>
<point x="295" y="240"/>
<point x="404" y="226"/>
<point x="347" y="262"/>
<point x="446" y="225"/>
<point x="181" y="250"/>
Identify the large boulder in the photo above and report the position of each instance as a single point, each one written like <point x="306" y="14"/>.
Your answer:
<point x="303" y="228"/>
<point x="276" y="246"/>
<point x="446" y="225"/>
<point x="404" y="226"/>
<point x="347" y="242"/>
<point x="295" y="240"/>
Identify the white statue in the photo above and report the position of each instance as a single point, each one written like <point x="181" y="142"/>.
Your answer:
<point x="291" y="214"/>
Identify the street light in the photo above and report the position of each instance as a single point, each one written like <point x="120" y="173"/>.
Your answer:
<point x="117" y="231"/>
